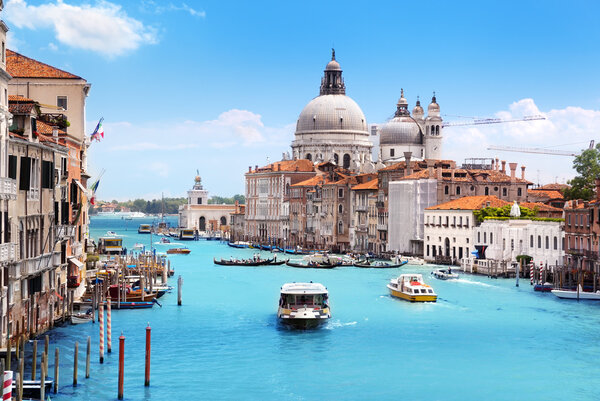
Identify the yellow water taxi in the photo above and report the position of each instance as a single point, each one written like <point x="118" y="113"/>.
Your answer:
<point x="411" y="287"/>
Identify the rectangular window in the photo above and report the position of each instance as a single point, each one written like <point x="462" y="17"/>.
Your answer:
<point x="341" y="193"/>
<point x="61" y="101"/>
<point x="47" y="174"/>
<point x="391" y="152"/>
<point x="25" y="174"/>
<point x="12" y="167"/>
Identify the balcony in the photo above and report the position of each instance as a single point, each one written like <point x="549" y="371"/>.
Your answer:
<point x="379" y="204"/>
<point x="8" y="188"/>
<point x="7" y="252"/>
<point x="382" y="227"/>
<point x="362" y="228"/>
<point x="361" y="208"/>
<point x="77" y="249"/>
<point x="593" y="255"/>
<point x="64" y="232"/>
<point x="33" y="266"/>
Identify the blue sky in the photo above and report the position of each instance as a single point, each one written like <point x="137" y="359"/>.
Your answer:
<point x="217" y="86"/>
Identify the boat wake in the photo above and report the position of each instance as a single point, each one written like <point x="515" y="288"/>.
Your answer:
<point x="462" y="280"/>
<point x="337" y="324"/>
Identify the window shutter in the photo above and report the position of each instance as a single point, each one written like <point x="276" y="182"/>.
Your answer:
<point x="12" y="167"/>
<point x="25" y="177"/>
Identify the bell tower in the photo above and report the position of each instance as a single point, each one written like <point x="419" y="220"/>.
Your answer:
<point x="433" y="131"/>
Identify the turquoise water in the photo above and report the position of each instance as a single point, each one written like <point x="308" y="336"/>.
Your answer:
<point x="483" y="340"/>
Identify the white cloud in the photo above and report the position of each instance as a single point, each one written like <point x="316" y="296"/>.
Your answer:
<point x="153" y="6"/>
<point x="103" y="27"/>
<point x="12" y="42"/>
<point x="570" y="128"/>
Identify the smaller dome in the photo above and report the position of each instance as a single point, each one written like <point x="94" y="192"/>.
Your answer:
<point x="333" y="66"/>
<point x="402" y="101"/>
<point x="401" y="130"/>
<point x="433" y="106"/>
<point x="418" y="110"/>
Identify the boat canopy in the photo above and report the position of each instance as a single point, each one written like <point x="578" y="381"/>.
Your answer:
<point x="303" y="288"/>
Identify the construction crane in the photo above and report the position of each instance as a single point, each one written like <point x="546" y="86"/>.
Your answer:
<point x="542" y="151"/>
<point x="492" y="121"/>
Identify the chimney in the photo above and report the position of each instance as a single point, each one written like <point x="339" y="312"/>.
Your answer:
<point x="430" y="164"/>
<point x="497" y="164"/>
<point x="439" y="173"/>
<point x="256" y="167"/>
<point x="237" y="206"/>
<point x="522" y="172"/>
<point x="503" y="171"/>
<point x="493" y="165"/>
<point x="598" y="188"/>
<point x="55" y="133"/>
<point x="513" y="170"/>
<point x="249" y="169"/>
<point x="408" y="169"/>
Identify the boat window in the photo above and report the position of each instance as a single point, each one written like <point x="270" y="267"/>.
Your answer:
<point x="430" y="291"/>
<point x="423" y="291"/>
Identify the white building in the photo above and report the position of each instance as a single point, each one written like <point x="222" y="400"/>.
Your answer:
<point x="504" y="240"/>
<point x="199" y="215"/>
<point x="449" y="227"/>
<point x="407" y="201"/>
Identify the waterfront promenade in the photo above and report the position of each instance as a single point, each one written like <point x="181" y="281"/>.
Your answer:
<point x="483" y="339"/>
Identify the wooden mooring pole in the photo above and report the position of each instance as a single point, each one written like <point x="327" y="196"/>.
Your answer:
<point x="121" y="365"/>
<point x="147" y="372"/>
<point x="179" y="285"/>
<point x="88" y="355"/>
<point x="75" y="364"/>
<point x="34" y="360"/>
<point x="56" y="352"/>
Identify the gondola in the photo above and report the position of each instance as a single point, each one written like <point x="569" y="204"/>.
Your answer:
<point x="224" y="262"/>
<point x="296" y="252"/>
<point x="278" y="263"/>
<point x="312" y="266"/>
<point x="379" y="265"/>
<point x="234" y="245"/>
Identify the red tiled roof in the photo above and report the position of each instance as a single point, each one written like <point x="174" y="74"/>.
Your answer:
<point x="18" y="98"/>
<point x="20" y="108"/>
<point x="301" y="165"/>
<point x="555" y="186"/>
<point x="464" y="175"/>
<point x="19" y="66"/>
<point x="542" y="207"/>
<point x="549" y="194"/>
<point x="46" y="129"/>
<point x="316" y="180"/>
<point x="470" y="203"/>
<point x="369" y="185"/>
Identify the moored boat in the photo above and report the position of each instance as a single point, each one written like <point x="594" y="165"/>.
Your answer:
<point x="138" y="247"/>
<point x="144" y="229"/>
<point x="179" y="251"/>
<point x="303" y="305"/>
<point x="444" y="274"/>
<point x="411" y="287"/>
<point x="312" y="265"/>
<point x="379" y="265"/>
<point x="239" y="244"/>
<point x="248" y="262"/>
<point x="165" y="240"/>
<point x="546" y="287"/>
<point x="82" y="317"/>
<point x="187" y="235"/>
<point x="577" y="294"/>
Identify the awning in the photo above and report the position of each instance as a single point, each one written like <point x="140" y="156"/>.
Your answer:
<point x="80" y="186"/>
<point x="76" y="262"/>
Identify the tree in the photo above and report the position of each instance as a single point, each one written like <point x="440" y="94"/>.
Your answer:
<point x="587" y="164"/>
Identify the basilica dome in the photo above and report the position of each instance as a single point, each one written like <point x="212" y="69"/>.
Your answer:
<point x="402" y="129"/>
<point x="328" y="113"/>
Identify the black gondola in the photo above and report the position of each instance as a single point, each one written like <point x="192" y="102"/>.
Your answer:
<point x="379" y="265"/>
<point x="312" y="265"/>
<point x="224" y="262"/>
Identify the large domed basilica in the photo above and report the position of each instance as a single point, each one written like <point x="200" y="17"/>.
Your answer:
<point x="332" y="127"/>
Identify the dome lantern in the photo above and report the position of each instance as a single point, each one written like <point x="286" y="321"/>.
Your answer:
<point x="332" y="82"/>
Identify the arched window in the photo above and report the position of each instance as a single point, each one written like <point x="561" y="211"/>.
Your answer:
<point x="340" y="208"/>
<point x="223" y="221"/>
<point x="491" y="238"/>
<point x="446" y="190"/>
<point x="484" y="237"/>
<point x="539" y="241"/>
<point x="487" y="191"/>
<point x="346" y="160"/>
<point x="437" y="129"/>
<point x="503" y="191"/>
<point x="202" y="224"/>
<point x="531" y="241"/>
<point x="336" y="158"/>
<point x="340" y="227"/>
<point x="547" y="242"/>
<point x="309" y="156"/>
<point x="555" y="243"/>
<point x="287" y="192"/>
<point x="457" y="190"/>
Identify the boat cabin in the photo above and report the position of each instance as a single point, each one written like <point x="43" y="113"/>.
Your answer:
<point x="303" y="295"/>
<point x="185" y="234"/>
<point x="110" y="246"/>
<point x="144" y="229"/>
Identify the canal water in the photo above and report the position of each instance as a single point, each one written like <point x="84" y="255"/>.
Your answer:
<point x="483" y="340"/>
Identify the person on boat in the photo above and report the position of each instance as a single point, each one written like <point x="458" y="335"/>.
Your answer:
<point x="449" y="270"/>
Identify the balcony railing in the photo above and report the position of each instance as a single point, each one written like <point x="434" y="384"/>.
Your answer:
<point x="591" y="254"/>
<point x="77" y="249"/>
<point x="8" y="188"/>
<point x="38" y="264"/>
<point x="382" y="227"/>
<point x="64" y="232"/>
<point x="7" y="252"/>
<point x="361" y="208"/>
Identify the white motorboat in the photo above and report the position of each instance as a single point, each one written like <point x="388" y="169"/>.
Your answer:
<point x="303" y="305"/>
<point x="79" y="318"/>
<point x="111" y="233"/>
<point x="444" y="274"/>
<point x="138" y="247"/>
<point x="410" y="260"/>
<point x="574" y="294"/>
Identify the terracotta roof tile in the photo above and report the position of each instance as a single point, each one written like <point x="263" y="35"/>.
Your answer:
<point x="18" y="98"/>
<point x="301" y="165"/>
<point x="369" y="185"/>
<point x="46" y="129"/>
<point x="316" y="180"/>
<point x="20" y="108"/>
<point x="555" y="186"/>
<point x="470" y="203"/>
<point x="549" y="194"/>
<point x="19" y="66"/>
<point x="542" y="207"/>
<point x="464" y="175"/>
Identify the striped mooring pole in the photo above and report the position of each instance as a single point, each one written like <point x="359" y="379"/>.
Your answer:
<point x="7" y="382"/>
<point x="101" y="321"/>
<point x="108" y="327"/>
